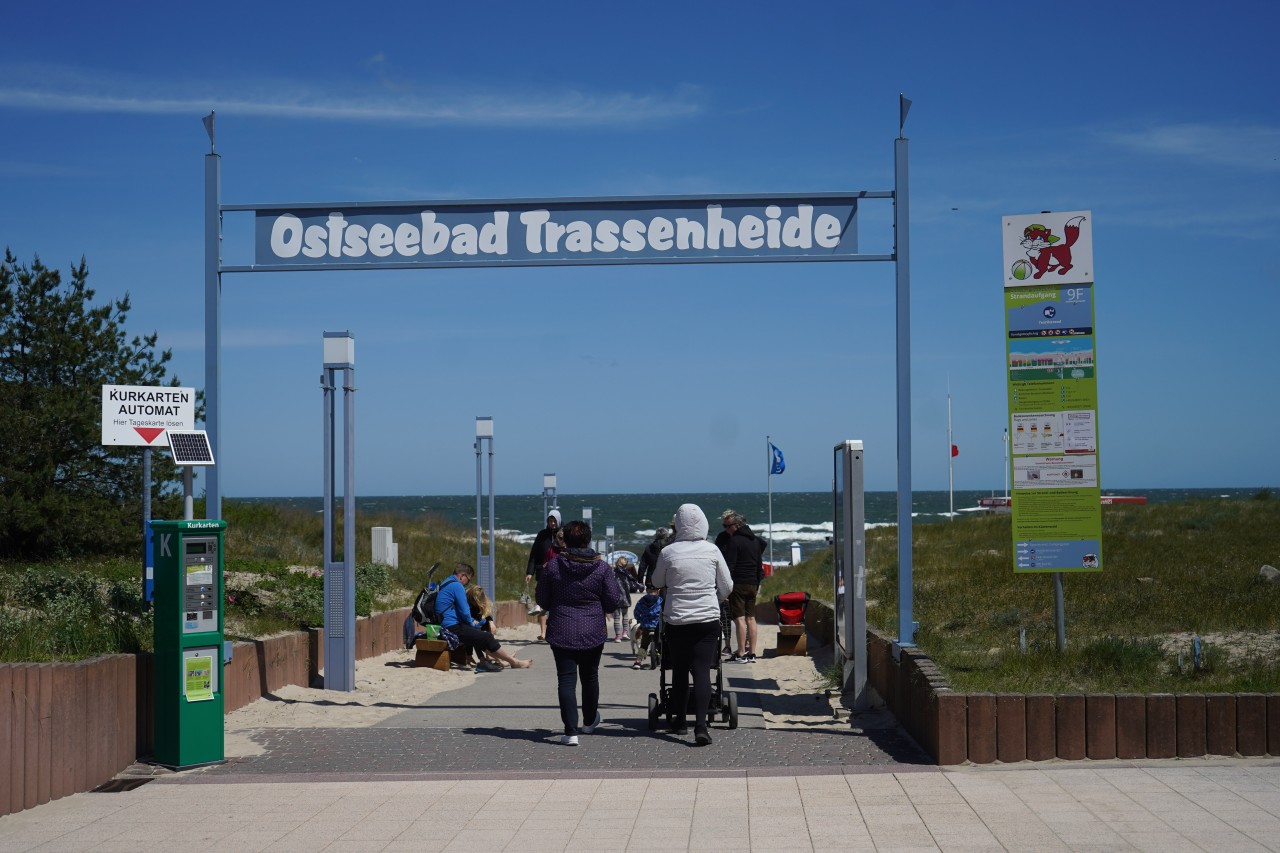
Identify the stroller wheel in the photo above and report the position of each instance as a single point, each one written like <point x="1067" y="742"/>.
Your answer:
<point x="731" y="710"/>
<point x="654" y="712"/>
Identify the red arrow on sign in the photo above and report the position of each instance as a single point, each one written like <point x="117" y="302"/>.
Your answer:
<point x="149" y="433"/>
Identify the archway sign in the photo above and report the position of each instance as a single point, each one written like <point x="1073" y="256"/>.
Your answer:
<point x="669" y="229"/>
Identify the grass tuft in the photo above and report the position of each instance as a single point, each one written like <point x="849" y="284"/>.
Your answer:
<point x="1177" y="568"/>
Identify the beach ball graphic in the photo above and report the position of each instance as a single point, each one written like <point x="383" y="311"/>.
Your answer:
<point x="1021" y="270"/>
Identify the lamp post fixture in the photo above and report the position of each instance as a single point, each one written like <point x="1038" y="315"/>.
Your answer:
<point x="340" y="577"/>
<point x="484" y="563"/>
<point x="549" y="492"/>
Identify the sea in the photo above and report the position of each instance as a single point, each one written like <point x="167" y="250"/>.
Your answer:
<point x="802" y="518"/>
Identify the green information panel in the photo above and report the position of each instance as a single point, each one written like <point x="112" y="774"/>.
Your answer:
<point x="1051" y="369"/>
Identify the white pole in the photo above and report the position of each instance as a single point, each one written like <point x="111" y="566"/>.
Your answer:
<point x="951" y="500"/>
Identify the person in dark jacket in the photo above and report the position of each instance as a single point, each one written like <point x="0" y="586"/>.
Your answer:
<point x="544" y="546"/>
<point x="577" y="588"/>
<point x="649" y="559"/>
<point x="743" y="551"/>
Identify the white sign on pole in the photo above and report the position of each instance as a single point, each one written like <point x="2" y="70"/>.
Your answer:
<point x="138" y="416"/>
<point x="1048" y="248"/>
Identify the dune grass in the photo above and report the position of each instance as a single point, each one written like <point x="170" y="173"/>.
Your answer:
<point x="1172" y="571"/>
<point x="1188" y="568"/>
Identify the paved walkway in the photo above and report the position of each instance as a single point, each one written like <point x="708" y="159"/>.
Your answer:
<point x="478" y="769"/>
<point x="508" y="723"/>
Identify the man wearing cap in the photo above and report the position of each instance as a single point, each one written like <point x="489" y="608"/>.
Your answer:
<point x="744" y="552"/>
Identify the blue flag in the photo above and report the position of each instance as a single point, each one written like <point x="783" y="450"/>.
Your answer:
<point x="779" y="464"/>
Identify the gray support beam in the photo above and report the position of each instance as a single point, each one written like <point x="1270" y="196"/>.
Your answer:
<point x="213" y="329"/>
<point x="902" y="265"/>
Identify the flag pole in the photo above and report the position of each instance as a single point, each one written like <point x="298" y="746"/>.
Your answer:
<point x="951" y="455"/>
<point x="768" y="452"/>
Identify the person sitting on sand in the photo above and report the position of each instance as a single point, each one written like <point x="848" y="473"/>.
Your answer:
<point x="455" y="614"/>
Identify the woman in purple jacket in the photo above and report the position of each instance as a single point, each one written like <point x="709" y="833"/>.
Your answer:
<point x="577" y="589"/>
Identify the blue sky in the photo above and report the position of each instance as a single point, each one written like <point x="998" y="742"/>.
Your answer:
<point x="1164" y="122"/>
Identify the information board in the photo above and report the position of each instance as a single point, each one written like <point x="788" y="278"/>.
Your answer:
<point x="1051" y="371"/>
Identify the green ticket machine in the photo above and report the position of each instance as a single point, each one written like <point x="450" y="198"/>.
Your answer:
<point x="188" y="642"/>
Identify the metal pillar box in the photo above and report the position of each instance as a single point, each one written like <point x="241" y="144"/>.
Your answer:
<point x="188" y="642"/>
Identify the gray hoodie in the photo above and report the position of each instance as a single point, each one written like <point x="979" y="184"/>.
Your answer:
<point x="693" y="571"/>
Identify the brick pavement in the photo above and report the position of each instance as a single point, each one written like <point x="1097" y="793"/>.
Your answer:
<point x="509" y="723"/>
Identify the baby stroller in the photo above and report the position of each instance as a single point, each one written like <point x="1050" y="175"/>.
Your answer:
<point x="723" y="705"/>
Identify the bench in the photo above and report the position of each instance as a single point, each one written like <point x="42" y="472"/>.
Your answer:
<point x="433" y="654"/>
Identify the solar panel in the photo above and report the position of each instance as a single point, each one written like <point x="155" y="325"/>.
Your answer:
<point x="190" y="447"/>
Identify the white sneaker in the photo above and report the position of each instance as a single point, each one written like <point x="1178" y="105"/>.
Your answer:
<point x="569" y="740"/>
<point x="586" y="730"/>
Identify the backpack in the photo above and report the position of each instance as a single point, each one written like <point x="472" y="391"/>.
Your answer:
<point x="424" y="609"/>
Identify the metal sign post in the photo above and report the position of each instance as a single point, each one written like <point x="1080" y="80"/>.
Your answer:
<point x="851" y="570"/>
<point x="138" y="416"/>
<point x="340" y="576"/>
<point x="485" y="563"/>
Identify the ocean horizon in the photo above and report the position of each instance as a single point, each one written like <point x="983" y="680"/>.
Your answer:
<point x="804" y="518"/>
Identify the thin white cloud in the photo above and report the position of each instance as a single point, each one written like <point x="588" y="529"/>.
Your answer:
<point x="72" y="91"/>
<point x="1251" y="147"/>
<point x="23" y="169"/>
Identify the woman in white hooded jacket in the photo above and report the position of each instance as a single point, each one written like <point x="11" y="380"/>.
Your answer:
<point x="696" y="579"/>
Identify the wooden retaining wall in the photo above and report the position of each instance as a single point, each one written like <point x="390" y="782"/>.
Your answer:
<point x="983" y="728"/>
<point x="69" y="727"/>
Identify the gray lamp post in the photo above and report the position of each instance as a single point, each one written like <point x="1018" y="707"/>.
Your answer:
<point x="548" y="493"/>
<point x="484" y="563"/>
<point x="340" y="577"/>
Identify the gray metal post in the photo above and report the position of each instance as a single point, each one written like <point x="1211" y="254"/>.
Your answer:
<point x="548" y="492"/>
<point x="485" y="573"/>
<point x="349" y="525"/>
<point x="326" y="384"/>
<point x="146" y="504"/>
<point x="1059" y="611"/>
<point x="339" y="577"/>
<point x="902" y="265"/>
<point x="213" y="328"/>
<point x="858" y="534"/>
<point x="479" y="498"/>
<point x="491" y="581"/>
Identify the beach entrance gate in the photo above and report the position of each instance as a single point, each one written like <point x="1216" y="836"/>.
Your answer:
<point x="601" y="231"/>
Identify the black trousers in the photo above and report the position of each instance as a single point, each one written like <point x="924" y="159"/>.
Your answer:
<point x="691" y="650"/>
<point x="573" y="665"/>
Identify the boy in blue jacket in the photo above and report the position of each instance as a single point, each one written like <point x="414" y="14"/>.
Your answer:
<point x="648" y="615"/>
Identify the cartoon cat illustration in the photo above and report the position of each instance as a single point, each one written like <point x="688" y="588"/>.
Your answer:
<point x="1044" y="255"/>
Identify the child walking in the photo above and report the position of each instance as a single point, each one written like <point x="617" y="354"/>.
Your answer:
<point x="648" y="615"/>
<point x="624" y="572"/>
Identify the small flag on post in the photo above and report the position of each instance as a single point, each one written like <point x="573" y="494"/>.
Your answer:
<point x="779" y="464"/>
<point x="955" y="451"/>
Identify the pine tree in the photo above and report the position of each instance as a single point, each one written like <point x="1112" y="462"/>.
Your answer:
<point x="62" y="493"/>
